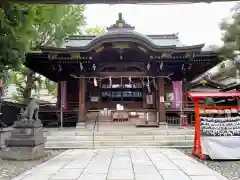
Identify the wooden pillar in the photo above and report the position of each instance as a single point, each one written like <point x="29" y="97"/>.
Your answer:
<point x="82" y="90"/>
<point x="58" y="95"/>
<point x="185" y="94"/>
<point x="161" y="101"/>
<point x="238" y="81"/>
<point x="238" y="103"/>
<point x="144" y="98"/>
<point x="99" y="95"/>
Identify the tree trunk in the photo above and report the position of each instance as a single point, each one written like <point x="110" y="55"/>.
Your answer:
<point x="29" y="85"/>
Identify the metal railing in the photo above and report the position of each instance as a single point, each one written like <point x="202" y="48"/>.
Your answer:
<point x="174" y="111"/>
<point x="176" y="121"/>
<point x="96" y="123"/>
<point x="95" y="127"/>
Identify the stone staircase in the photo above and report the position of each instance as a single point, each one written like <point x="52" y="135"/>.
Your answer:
<point x="125" y="137"/>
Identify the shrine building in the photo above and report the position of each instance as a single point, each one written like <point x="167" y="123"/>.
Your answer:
<point x="142" y="73"/>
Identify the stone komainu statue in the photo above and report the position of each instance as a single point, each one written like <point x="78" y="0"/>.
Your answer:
<point x="31" y="111"/>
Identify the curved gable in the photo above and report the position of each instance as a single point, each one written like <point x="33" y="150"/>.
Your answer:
<point x="122" y="32"/>
<point x="126" y="36"/>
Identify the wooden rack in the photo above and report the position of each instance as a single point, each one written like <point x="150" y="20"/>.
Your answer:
<point x="196" y="97"/>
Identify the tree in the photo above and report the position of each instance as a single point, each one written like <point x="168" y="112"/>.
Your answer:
<point x="51" y="87"/>
<point x="95" y="30"/>
<point x="15" y="22"/>
<point x="18" y="78"/>
<point x="231" y="36"/>
<point x="51" y="24"/>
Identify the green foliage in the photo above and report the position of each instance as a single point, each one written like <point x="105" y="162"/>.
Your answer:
<point x="51" y="87"/>
<point x="231" y="36"/>
<point x="14" y="25"/>
<point x="38" y="25"/>
<point x="95" y="30"/>
<point x="18" y="78"/>
<point x="54" y="22"/>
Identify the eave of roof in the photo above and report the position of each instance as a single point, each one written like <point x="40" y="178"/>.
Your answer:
<point x="126" y="36"/>
<point x="204" y="90"/>
<point x="152" y="36"/>
<point x="232" y="87"/>
<point x="208" y="81"/>
<point x="37" y="61"/>
<point x="194" y="48"/>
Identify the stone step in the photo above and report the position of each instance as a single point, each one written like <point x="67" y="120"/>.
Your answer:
<point x="120" y="137"/>
<point x="125" y="136"/>
<point x="117" y="133"/>
<point x="107" y="147"/>
<point x="89" y="144"/>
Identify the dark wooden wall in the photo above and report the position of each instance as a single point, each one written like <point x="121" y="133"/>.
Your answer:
<point x="73" y="96"/>
<point x="10" y="112"/>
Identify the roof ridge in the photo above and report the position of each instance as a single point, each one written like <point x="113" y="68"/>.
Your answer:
<point x="152" y="36"/>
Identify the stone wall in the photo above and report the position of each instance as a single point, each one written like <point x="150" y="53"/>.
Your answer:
<point x="4" y="134"/>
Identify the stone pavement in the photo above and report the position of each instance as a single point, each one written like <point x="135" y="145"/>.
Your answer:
<point x="121" y="164"/>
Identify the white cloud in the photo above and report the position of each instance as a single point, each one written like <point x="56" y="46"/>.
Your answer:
<point x="196" y="23"/>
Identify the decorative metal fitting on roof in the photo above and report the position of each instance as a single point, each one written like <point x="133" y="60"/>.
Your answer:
<point x="120" y="24"/>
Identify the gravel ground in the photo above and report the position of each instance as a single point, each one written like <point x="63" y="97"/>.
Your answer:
<point x="229" y="169"/>
<point x="10" y="169"/>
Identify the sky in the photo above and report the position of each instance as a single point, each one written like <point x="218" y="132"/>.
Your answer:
<point x="195" y="23"/>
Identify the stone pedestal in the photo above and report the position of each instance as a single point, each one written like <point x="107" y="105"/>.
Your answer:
<point x="5" y="133"/>
<point x="26" y="141"/>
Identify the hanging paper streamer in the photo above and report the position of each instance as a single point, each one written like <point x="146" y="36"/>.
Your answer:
<point x="177" y="94"/>
<point x="64" y="94"/>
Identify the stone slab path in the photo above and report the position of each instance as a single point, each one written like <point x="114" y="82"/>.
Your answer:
<point x="121" y="164"/>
